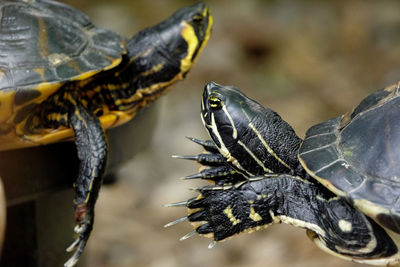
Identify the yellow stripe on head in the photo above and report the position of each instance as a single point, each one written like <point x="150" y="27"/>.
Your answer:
<point x="208" y="32"/>
<point x="189" y="34"/>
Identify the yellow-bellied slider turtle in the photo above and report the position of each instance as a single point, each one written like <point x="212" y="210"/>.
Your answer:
<point x="61" y="77"/>
<point x="265" y="174"/>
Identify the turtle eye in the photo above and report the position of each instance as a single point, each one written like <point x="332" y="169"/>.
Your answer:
<point x="214" y="102"/>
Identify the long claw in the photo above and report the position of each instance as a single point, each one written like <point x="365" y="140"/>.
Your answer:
<point x="176" y="221"/>
<point x="185" y="157"/>
<point x="176" y="204"/>
<point x="193" y="176"/>
<point x="75" y="257"/>
<point x="71" y="262"/>
<point x="79" y="229"/>
<point x="212" y="244"/>
<point x="206" y="159"/>
<point x="73" y="246"/>
<point x="188" y="235"/>
<point x="207" y="145"/>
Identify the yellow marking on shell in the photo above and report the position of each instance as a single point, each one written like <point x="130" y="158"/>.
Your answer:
<point x="48" y="136"/>
<point x="8" y="111"/>
<point x="40" y="72"/>
<point x="345" y="226"/>
<point x="43" y="43"/>
<point x="57" y="59"/>
<point x="189" y="34"/>
<point x="6" y="105"/>
<point x="228" y="212"/>
<point x="234" y="130"/>
<point x="74" y="64"/>
<point x="254" y="215"/>
<point x="259" y="162"/>
<point x="86" y="75"/>
<point x="265" y="144"/>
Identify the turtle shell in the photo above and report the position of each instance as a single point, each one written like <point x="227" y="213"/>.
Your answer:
<point x="45" y="43"/>
<point x="357" y="156"/>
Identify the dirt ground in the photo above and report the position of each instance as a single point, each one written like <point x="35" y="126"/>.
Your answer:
<point x="308" y="60"/>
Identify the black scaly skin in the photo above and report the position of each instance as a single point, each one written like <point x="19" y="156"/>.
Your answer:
<point x="290" y="197"/>
<point x="285" y="196"/>
<point x="91" y="145"/>
<point x="288" y="194"/>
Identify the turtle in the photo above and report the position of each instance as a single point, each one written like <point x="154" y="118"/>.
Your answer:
<point x="64" y="79"/>
<point x="341" y="183"/>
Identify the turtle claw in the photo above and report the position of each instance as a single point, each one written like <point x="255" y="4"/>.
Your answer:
<point x="212" y="244"/>
<point x="208" y="145"/>
<point x="79" y="229"/>
<point x="206" y="159"/>
<point x="177" y="204"/>
<point x="176" y="221"/>
<point x="71" y="262"/>
<point x="83" y="229"/>
<point x="78" y="245"/>
<point x="193" y="176"/>
<point x="73" y="246"/>
<point x="195" y="157"/>
<point x="188" y="235"/>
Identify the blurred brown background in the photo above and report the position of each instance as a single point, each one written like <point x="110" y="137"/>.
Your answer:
<point x="308" y="60"/>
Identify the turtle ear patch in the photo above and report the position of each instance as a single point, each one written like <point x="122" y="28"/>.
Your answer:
<point x="345" y="226"/>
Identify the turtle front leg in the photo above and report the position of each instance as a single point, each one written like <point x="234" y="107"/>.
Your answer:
<point x="333" y="224"/>
<point x="91" y="146"/>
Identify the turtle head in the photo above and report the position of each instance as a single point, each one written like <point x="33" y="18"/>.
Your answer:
<point x="165" y="52"/>
<point x="256" y="140"/>
<point x="185" y="33"/>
